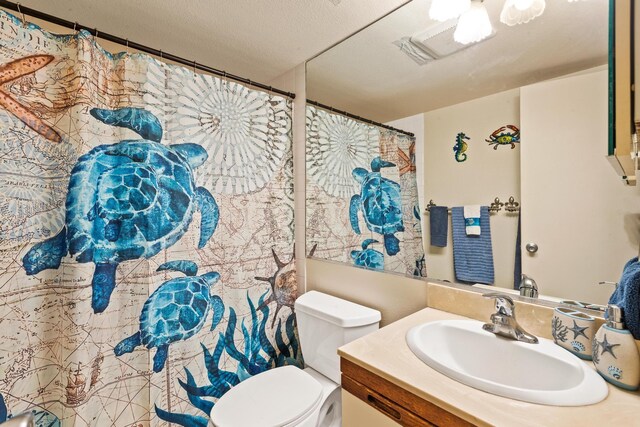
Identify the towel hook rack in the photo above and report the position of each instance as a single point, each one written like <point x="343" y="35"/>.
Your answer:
<point x="496" y="205"/>
<point x="511" y="206"/>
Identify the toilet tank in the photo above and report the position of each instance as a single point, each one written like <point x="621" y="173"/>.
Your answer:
<point x="326" y="323"/>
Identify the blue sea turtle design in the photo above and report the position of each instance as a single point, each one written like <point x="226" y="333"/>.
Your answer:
<point x="368" y="257"/>
<point x="380" y="203"/>
<point x="176" y="311"/>
<point x="127" y="201"/>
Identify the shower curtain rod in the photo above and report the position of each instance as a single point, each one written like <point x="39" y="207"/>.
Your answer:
<point x="361" y="119"/>
<point x="17" y="7"/>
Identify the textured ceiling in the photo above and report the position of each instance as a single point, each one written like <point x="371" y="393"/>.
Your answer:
<point x="369" y="76"/>
<point x="258" y="39"/>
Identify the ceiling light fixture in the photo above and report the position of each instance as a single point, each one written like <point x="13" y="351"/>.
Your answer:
<point x="521" y="11"/>
<point x="443" y="10"/>
<point x="474" y="24"/>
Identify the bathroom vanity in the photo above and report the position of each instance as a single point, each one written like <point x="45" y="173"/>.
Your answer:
<point x="385" y="384"/>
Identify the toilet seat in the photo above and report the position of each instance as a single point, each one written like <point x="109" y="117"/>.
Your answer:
<point x="279" y="397"/>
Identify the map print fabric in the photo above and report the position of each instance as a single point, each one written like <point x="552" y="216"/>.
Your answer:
<point x="362" y="195"/>
<point x="146" y="234"/>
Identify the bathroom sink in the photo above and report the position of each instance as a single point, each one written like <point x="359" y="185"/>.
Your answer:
<point x="538" y="373"/>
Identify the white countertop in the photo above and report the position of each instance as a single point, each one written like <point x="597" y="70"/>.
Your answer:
<point x="386" y="354"/>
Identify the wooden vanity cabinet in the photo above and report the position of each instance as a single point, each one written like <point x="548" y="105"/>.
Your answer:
<point x="399" y="406"/>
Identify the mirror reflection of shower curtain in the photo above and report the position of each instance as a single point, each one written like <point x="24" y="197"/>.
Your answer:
<point x="147" y="215"/>
<point x="362" y="195"/>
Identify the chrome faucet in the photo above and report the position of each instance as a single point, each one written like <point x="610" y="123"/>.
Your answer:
<point x="503" y="321"/>
<point x="528" y="287"/>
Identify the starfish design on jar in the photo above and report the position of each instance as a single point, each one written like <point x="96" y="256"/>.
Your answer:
<point x="578" y="330"/>
<point x="607" y="347"/>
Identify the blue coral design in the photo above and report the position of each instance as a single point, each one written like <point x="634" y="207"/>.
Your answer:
<point x="258" y="355"/>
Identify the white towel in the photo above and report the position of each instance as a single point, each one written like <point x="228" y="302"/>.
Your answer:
<point x="472" y="220"/>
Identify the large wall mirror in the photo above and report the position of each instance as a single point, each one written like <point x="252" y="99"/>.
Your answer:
<point x="407" y="122"/>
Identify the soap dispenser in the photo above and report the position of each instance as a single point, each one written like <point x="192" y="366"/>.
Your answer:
<point x="615" y="353"/>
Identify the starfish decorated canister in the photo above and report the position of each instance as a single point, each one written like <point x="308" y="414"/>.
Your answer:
<point x="573" y="331"/>
<point x="615" y="353"/>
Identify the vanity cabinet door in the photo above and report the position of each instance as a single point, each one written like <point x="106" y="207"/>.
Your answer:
<point x="365" y="394"/>
<point x="356" y="413"/>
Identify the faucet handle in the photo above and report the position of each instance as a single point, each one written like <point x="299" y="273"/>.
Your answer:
<point x="504" y="303"/>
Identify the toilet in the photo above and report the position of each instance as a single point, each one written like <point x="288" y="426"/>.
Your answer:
<point x="310" y="397"/>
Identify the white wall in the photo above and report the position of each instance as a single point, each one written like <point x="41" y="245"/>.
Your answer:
<point x="584" y="220"/>
<point x="485" y="175"/>
<point x="394" y="295"/>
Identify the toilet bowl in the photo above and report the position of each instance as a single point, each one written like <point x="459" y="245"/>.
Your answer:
<point x="311" y="397"/>
<point x="286" y="396"/>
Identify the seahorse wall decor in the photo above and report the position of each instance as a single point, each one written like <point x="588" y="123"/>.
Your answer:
<point x="461" y="147"/>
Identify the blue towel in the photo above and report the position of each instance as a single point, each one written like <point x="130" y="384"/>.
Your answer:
<point x="627" y="296"/>
<point x="439" y="225"/>
<point x="472" y="255"/>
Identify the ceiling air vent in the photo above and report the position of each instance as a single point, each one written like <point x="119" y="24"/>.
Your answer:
<point x="413" y="51"/>
<point x="433" y="43"/>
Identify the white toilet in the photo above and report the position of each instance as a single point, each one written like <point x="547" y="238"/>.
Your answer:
<point x="289" y="396"/>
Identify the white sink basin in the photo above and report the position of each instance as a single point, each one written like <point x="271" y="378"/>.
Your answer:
<point x="538" y="373"/>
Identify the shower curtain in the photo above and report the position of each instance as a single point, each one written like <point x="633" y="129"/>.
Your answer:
<point x="362" y="194"/>
<point x="146" y="237"/>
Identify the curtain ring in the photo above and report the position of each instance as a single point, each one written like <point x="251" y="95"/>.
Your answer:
<point x="195" y="74"/>
<point x="96" y="35"/>
<point x="127" y="45"/>
<point x="161" y="54"/>
<point x="75" y="27"/>
<point x="24" y="21"/>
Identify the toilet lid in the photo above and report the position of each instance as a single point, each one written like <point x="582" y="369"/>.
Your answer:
<point x="272" y="398"/>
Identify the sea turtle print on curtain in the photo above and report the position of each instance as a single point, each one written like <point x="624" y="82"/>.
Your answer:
<point x="144" y="214"/>
<point x="126" y="201"/>
<point x="362" y="196"/>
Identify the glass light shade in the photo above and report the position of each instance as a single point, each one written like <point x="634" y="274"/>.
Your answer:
<point x="443" y="10"/>
<point x="473" y="25"/>
<point x="523" y="4"/>
<point x="516" y="11"/>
